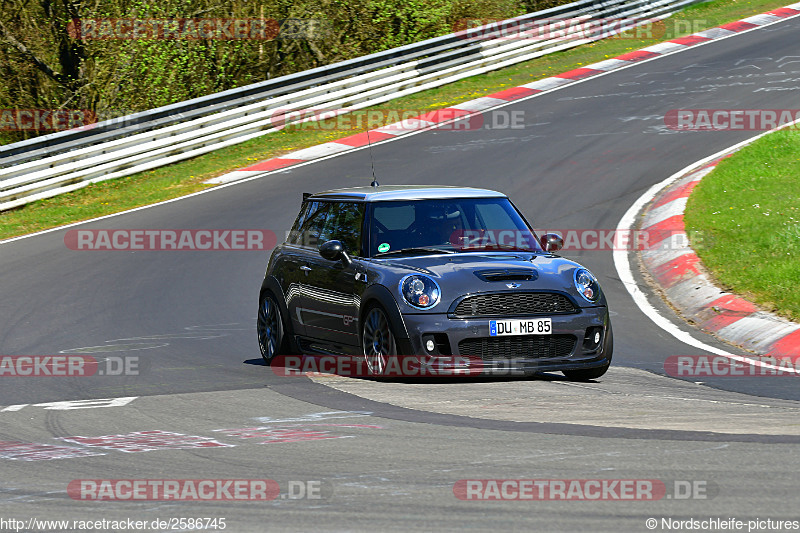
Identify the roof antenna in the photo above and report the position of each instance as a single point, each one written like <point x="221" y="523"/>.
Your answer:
<point x="372" y="162"/>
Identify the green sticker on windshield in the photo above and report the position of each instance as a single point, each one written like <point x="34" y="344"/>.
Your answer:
<point x="384" y="247"/>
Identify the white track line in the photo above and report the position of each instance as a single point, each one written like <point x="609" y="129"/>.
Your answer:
<point x="623" y="265"/>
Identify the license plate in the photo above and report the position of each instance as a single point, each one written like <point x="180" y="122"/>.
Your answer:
<point x="526" y="326"/>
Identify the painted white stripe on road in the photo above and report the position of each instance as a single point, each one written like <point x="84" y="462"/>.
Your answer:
<point x="762" y="19"/>
<point x="696" y="294"/>
<point x="758" y="331"/>
<point x="320" y="150"/>
<point x="404" y="126"/>
<point x="479" y="104"/>
<point x="656" y="258"/>
<point x="665" y="48"/>
<point x="609" y="64"/>
<point x="700" y="174"/>
<point x="663" y="212"/>
<point x="234" y="176"/>
<point x="547" y="84"/>
<point x="715" y="33"/>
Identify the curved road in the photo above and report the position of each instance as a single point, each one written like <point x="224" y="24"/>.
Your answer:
<point x="392" y="452"/>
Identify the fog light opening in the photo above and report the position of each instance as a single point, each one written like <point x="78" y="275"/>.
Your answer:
<point x="436" y="344"/>
<point x="593" y="338"/>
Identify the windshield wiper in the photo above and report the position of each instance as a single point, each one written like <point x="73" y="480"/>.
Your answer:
<point x="416" y="250"/>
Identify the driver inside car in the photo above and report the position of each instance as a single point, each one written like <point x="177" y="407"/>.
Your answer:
<point x="443" y="226"/>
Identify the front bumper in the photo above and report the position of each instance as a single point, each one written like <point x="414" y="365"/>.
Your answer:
<point x="465" y="344"/>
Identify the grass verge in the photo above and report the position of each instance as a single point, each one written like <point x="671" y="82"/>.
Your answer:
<point x="748" y="212"/>
<point x="187" y="177"/>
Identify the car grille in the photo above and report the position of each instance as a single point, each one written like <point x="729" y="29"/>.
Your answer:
<point x="520" y="346"/>
<point x="513" y="304"/>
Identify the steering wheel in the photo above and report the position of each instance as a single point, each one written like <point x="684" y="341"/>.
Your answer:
<point x="466" y="241"/>
<point x="420" y="232"/>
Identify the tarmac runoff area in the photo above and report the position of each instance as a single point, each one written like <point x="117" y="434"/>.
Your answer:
<point x="624" y="398"/>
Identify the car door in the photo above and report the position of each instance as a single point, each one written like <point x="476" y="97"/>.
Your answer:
<point x="300" y="245"/>
<point x="330" y="303"/>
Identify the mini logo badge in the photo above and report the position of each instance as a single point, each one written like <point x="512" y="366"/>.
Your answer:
<point x="512" y="285"/>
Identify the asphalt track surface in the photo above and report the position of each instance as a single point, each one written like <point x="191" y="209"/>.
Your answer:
<point x="393" y="452"/>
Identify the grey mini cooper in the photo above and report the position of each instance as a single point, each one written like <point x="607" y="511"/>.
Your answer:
<point x="448" y="276"/>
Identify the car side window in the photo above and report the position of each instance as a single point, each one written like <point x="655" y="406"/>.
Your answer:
<point x="310" y="227"/>
<point x="344" y="223"/>
<point x="294" y="236"/>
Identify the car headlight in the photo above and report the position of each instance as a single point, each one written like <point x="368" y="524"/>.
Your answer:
<point x="420" y="291"/>
<point x="586" y="284"/>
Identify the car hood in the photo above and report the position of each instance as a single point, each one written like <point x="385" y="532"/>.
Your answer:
<point x="468" y="273"/>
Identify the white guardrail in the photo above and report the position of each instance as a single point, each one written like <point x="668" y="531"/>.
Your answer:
<point x="61" y="162"/>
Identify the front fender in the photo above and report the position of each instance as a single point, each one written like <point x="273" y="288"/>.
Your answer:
<point x="378" y="294"/>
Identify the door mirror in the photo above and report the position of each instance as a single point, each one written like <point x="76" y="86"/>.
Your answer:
<point x="334" y="251"/>
<point x="551" y="242"/>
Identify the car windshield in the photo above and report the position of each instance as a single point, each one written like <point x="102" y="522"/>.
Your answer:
<point x="448" y="225"/>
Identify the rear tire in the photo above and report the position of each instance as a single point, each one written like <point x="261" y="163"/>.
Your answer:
<point x="594" y="373"/>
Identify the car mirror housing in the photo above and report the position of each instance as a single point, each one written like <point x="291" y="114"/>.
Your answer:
<point x="551" y="242"/>
<point x="334" y="251"/>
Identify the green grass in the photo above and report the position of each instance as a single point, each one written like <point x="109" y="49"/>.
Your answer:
<point x="748" y="212"/>
<point x="186" y="177"/>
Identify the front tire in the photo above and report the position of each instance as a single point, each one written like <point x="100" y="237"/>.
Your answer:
<point x="377" y="340"/>
<point x="272" y="338"/>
